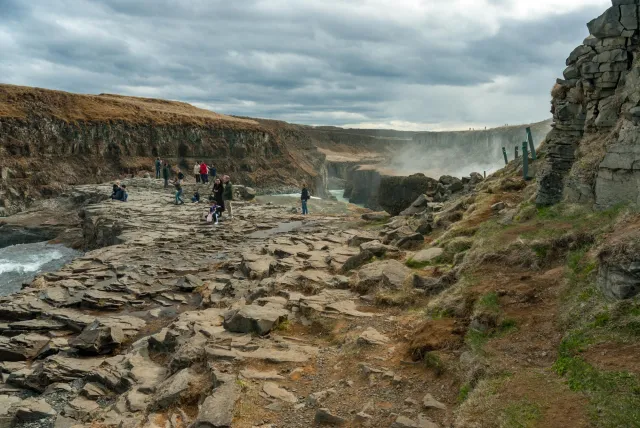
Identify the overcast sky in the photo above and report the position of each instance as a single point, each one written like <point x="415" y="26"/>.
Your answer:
<point x="404" y="64"/>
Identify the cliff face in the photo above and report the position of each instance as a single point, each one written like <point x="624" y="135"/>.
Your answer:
<point x="593" y="152"/>
<point x="49" y="139"/>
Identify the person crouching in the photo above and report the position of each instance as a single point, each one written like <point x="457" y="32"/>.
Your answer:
<point x="214" y="213"/>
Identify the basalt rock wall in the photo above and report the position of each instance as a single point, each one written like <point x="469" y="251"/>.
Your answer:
<point x="593" y="153"/>
<point x="49" y="139"/>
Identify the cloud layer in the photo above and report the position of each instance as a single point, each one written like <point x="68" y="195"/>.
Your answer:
<point x="407" y="64"/>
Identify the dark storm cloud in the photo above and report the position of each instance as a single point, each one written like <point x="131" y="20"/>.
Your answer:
<point x="323" y="62"/>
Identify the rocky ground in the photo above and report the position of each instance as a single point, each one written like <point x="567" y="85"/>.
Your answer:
<point x="170" y="321"/>
<point x="482" y="311"/>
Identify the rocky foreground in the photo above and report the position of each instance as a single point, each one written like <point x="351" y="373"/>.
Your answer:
<point x="173" y="322"/>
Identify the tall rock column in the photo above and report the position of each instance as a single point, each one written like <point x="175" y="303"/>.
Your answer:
<point x="590" y="98"/>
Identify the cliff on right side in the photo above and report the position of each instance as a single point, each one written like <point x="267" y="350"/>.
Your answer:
<point x="592" y="154"/>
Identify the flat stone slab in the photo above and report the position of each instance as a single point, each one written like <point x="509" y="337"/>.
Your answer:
<point x="427" y="255"/>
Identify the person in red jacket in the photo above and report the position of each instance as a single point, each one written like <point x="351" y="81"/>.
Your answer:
<point x="204" y="172"/>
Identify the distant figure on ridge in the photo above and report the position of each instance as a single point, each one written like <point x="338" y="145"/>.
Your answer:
<point x="228" y="195"/>
<point x="304" y="197"/>
<point x="165" y="175"/>
<point x="204" y="173"/>
<point x="158" y="166"/>
<point x="196" y="171"/>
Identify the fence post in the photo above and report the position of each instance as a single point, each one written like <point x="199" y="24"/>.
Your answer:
<point x="525" y="161"/>
<point x="531" y="145"/>
<point x="517" y="152"/>
<point x="504" y="153"/>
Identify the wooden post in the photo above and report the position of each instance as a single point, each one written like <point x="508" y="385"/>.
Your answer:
<point x="525" y="161"/>
<point x="504" y="153"/>
<point x="531" y="145"/>
<point x="517" y="152"/>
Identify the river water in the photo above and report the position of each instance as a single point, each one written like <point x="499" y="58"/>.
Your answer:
<point x="23" y="262"/>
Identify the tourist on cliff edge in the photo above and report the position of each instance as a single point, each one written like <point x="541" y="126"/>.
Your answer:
<point x="228" y="195"/>
<point x="158" y="166"/>
<point x="204" y="173"/>
<point x="304" y="197"/>
<point x="165" y="175"/>
<point x="196" y="171"/>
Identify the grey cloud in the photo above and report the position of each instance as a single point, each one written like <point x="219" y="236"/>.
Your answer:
<point x="284" y="60"/>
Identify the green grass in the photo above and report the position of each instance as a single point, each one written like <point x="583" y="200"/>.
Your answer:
<point x="417" y="265"/>
<point x="464" y="392"/>
<point x="614" y="396"/>
<point x="521" y="414"/>
<point x="434" y="362"/>
<point x="490" y="302"/>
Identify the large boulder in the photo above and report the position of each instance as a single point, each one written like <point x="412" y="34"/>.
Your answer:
<point x="418" y="206"/>
<point x="255" y="319"/>
<point x="98" y="339"/>
<point x="398" y="193"/>
<point x="387" y="274"/>
<point x="217" y="409"/>
<point x="619" y="271"/>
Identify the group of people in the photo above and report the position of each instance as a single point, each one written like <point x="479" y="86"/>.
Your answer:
<point x="221" y="193"/>
<point x="119" y="192"/>
<point x="202" y="172"/>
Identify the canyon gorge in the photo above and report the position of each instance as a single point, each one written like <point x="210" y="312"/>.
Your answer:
<point x="442" y="297"/>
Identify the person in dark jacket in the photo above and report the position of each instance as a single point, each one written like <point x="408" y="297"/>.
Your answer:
<point x="304" y="197"/>
<point x="218" y="190"/>
<point x="228" y="195"/>
<point x="120" y="194"/>
<point x="165" y="175"/>
<point x="212" y="171"/>
<point x="158" y="167"/>
<point x="114" y="189"/>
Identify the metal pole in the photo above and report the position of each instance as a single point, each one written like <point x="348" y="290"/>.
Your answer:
<point x="516" y="152"/>
<point x="531" y="145"/>
<point x="504" y="153"/>
<point x="525" y="161"/>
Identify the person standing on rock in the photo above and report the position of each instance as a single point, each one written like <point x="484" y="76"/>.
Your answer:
<point x="204" y="173"/>
<point x="165" y="175"/>
<point x="218" y="190"/>
<point x="196" y="171"/>
<point x="304" y="197"/>
<point x="178" y="185"/>
<point x="212" y="171"/>
<point x="158" y="166"/>
<point x="228" y="195"/>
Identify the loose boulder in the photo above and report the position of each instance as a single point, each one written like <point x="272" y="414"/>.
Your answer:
<point x="97" y="339"/>
<point x="387" y="274"/>
<point x="396" y="194"/>
<point x="255" y="319"/>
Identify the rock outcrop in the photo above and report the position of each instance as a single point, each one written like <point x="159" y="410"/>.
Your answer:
<point x="591" y="153"/>
<point x="50" y="139"/>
